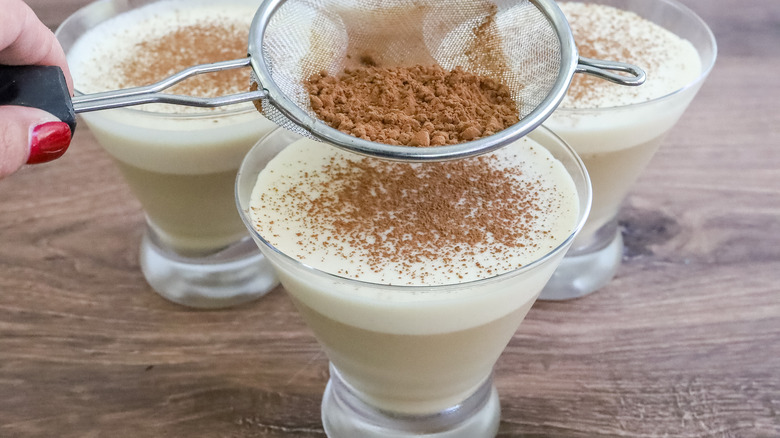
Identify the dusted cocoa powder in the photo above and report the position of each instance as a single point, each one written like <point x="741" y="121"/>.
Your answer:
<point x="413" y="223"/>
<point x="412" y="106"/>
<point x="202" y="43"/>
<point x="409" y="213"/>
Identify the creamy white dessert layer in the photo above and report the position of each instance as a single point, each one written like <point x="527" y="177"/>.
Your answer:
<point x="102" y="58"/>
<point x="608" y="33"/>
<point x="414" y="224"/>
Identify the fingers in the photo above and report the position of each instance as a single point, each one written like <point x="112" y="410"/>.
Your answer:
<point x="30" y="135"/>
<point x="24" y="40"/>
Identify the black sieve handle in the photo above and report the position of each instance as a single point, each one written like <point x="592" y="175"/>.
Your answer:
<point x="45" y="88"/>
<point x="37" y="86"/>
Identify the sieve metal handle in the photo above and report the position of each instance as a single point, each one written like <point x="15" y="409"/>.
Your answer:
<point x="603" y="69"/>
<point x="153" y="93"/>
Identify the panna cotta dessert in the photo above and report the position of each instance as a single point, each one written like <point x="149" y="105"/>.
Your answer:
<point x="617" y="144"/>
<point x="616" y="130"/>
<point x="413" y="276"/>
<point x="179" y="161"/>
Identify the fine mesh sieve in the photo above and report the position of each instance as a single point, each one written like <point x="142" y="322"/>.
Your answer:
<point x="525" y="44"/>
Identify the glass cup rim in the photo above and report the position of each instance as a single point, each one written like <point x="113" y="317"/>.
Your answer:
<point x="103" y="12"/>
<point x="582" y="218"/>
<point x="705" y="71"/>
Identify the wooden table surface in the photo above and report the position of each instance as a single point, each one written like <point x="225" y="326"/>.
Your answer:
<point x="685" y="342"/>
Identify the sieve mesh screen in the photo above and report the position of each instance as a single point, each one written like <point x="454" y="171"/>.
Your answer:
<point x="510" y="41"/>
<point x="526" y="45"/>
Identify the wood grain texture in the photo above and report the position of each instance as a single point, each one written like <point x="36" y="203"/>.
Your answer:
<point x="685" y="342"/>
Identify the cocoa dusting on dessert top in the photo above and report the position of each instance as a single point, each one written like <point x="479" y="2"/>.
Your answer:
<point x="412" y="106"/>
<point x="187" y="46"/>
<point x="412" y="212"/>
<point x="582" y="87"/>
<point x="606" y="32"/>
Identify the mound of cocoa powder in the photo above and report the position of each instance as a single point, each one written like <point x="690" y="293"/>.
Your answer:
<point x="412" y="106"/>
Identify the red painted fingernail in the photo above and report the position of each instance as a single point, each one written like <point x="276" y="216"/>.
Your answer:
<point x="48" y="142"/>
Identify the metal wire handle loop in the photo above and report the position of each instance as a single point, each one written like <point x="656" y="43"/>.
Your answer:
<point x="603" y="69"/>
<point x="152" y="93"/>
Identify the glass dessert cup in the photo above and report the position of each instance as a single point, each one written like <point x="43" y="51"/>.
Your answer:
<point x="410" y="360"/>
<point x="616" y="144"/>
<point x="181" y="167"/>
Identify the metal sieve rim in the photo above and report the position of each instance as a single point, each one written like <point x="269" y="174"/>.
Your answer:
<point x="320" y="130"/>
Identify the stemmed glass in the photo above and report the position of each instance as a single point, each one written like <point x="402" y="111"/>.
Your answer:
<point x="410" y="360"/>
<point x="616" y="144"/>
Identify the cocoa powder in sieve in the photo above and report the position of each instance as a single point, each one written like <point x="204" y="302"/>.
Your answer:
<point x="412" y="106"/>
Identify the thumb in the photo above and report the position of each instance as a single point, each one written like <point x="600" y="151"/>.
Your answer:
<point x="30" y="135"/>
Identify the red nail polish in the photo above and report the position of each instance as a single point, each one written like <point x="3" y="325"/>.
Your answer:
<point x="48" y="142"/>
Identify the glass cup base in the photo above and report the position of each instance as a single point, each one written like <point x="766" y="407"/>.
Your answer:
<point x="585" y="272"/>
<point x="345" y="415"/>
<point x="233" y="276"/>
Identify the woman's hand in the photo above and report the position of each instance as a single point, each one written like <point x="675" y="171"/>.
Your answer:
<point x="29" y="135"/>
